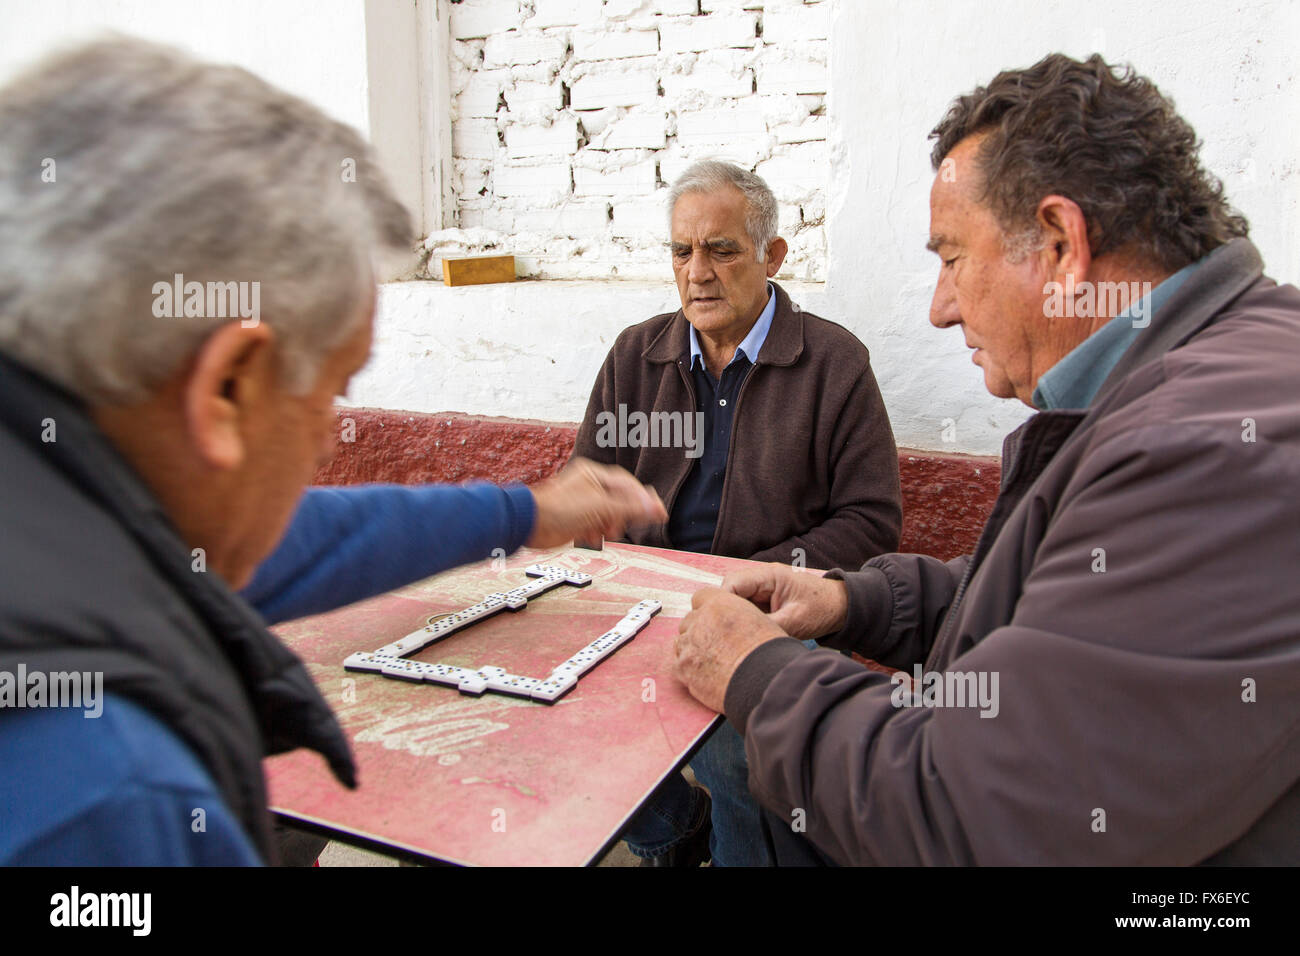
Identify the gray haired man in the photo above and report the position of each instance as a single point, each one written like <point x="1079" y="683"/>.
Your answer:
<point x="778" y="449"/>
<point x="187" y="282"/>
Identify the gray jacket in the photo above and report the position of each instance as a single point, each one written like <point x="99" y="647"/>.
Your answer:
<point x="1147" y="713"/>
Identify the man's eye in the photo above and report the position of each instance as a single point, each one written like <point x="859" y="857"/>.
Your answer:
<point x="949" y="262"/>
<point x="724" y="254"/>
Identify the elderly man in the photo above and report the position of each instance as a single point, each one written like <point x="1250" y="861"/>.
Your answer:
<point x="155" y="447"/>
<point x="779" y="449"/>
<point x="1128" y="621"/>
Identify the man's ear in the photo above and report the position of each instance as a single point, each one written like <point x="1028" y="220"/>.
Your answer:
<point x="776" y="255"/>
<point x="232" y="374"/>
<point x="1065" y="231"/>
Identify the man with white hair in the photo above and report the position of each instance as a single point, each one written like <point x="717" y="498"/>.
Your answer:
<point x="186" y="285"/>
<point x="763" y="430"/>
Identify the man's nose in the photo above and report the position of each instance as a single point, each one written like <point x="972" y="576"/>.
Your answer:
<point x="943" y="306"/>
<point x="700" y="269"/>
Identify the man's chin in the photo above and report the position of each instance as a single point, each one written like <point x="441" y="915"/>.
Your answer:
<point x="708" y="317"/>
<point x="998" y="386"/>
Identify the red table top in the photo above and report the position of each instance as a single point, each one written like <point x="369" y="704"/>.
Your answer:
<point x="497" y="780"/>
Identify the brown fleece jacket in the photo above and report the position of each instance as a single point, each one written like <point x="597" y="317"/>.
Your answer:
<point x="812" y="463"/>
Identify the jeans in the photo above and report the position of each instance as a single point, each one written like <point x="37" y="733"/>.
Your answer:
<point x="720" y="765"/>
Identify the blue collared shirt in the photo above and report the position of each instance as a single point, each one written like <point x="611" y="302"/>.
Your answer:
<point x="749" y="346"/>
<point x="1074" y="381"/>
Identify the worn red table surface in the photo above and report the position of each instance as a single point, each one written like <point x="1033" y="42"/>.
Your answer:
<point x="496" y="780"/>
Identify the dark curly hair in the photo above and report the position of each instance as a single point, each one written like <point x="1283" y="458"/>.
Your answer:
<point x="1103" y="137"/>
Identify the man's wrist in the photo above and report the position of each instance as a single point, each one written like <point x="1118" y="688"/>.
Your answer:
<point x="868" y="603"/>
<point x="837" y="596"/>
<point x="750" y="679"/>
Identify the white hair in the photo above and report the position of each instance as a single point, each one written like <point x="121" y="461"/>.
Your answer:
<point x="710" y="175"/>
<point x="161" y="165"/>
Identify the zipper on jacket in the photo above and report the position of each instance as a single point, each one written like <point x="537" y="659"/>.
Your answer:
<point x="1028" y="458"/>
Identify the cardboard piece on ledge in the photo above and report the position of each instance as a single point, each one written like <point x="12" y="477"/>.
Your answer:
<point x="479" y="270"/>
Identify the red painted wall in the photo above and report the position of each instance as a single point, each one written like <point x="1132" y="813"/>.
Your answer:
<point x="946" y="498"/>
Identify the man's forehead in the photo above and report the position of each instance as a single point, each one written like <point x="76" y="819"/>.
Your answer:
<point x="952" y="195"/>
<point x="703" y="215"/>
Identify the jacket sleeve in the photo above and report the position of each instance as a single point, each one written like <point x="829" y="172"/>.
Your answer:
<point x="864" y="505"/>
<point x="1141" y="714"/>
<point x="604" y="394"/>
<point x="897" y="603"/>
<point x="346" y="544"/>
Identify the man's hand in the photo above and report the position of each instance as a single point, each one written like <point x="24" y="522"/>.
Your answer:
<point x="801" y="603"/>
<point x="714" y="638"/>
<point x="586" y="500"/>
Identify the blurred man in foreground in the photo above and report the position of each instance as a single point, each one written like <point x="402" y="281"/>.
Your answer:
<point x="186" y="284"/>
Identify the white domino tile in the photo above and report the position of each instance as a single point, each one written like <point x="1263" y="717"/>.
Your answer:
<point x="547" y="576"/>
<point x="390" y="660"/>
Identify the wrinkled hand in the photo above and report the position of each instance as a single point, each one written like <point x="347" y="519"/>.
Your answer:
<point x="714" y="638"/>
<point x="802" y="603"/>
<point x="586" y="500"/>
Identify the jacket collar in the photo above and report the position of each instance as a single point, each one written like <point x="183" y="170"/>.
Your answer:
<point x="784" y="344"/>
<point x="1224" y="274"/>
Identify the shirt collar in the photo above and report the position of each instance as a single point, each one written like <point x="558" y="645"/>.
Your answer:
<point x="749" y="347"/>
<point x="1074" y="381"/>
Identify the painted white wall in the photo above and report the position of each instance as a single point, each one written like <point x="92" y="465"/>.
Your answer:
<point x="532" y="349"/>
<point x="523" y="349"/>
<point x="357" y="60"/>
<point x="571" y="118"/>
<point x="1232" y="70"/>
<point x="313" y="48"/>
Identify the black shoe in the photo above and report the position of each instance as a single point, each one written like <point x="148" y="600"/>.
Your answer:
<point x="694" y="849"/>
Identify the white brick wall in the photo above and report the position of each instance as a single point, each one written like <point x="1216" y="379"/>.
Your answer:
<point x="613" y="174"/>
<point x="516" y="49"/>
<point x="614" y="88"/>
<point x="614" y="44"/>
<point x="797" y="24"/>
<point x="482" y="18"/>
<point x="634" y="131"/>
<point x="474" y="138"/>
<point x="714" y="32"/>
<point x="709" y="82"/>
<point x="720" y="127"/>
<point x="803" y="75"/>
<point x="571" y="219"/>
<point x="570" y="118"/>
<point x="538" y="182"/>
<point x="541" y="98"/>
<point x="481" y="94"/>
<point x="558" y="139"/>
<point x="561" y="13"/>
<point x="639" y="219"/>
